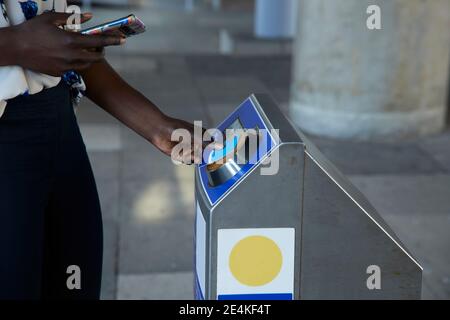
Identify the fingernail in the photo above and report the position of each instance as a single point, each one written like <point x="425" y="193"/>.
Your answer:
<point x="122" y="40"/>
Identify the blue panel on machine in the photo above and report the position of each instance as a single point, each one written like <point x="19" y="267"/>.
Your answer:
<point x="246" y="116"/>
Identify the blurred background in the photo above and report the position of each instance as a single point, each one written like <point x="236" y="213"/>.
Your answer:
<point x="374" y="101"/>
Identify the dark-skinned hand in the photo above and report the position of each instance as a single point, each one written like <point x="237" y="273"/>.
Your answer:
<point x="42" y="46"/>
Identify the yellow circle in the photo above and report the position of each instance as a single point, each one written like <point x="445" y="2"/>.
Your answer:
<point x="255" y="261"/>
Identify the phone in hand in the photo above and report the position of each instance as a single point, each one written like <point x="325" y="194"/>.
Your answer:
<point x="128" y="26"/>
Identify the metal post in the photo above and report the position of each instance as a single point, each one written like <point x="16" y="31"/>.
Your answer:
<point x="189" y="5"/>
<point x="216" y="5"/>
<point x="275" y="18"/>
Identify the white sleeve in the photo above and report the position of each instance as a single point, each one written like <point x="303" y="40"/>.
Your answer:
<point x="12" y="83"/>
<point x="14" y="80"/>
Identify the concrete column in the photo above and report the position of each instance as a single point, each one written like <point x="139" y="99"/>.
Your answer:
<point x="275" y="18"/>
<point x="352" y="82"/>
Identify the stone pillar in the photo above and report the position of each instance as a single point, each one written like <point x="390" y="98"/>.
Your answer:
<point x="356" y="83"/>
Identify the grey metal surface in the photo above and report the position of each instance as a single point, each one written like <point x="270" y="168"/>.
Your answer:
<point x="347" y="187"/>
<point x="275" y="119"/>
<point x="340" y="240"/>
<point x="338" y="234"/>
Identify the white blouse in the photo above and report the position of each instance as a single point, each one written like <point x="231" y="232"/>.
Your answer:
<point x="15" y="80"/>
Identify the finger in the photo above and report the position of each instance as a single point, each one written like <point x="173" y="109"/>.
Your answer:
<point x="186" y="154"/>
<point x="90" y="56"/>
<point x="75" y="21"/>
<point x="197" y="157"/>
<point x="178" y="158"/>
<point x="217" y="145"/>
<point x="115" y="32"/>
<point x="86" y="17"/>
<point x="63" y="18"/>
<point x="79" y="66"/>
<point x="211" y="146"/>
<point x="97" y="41"/>
<point x="197" y="153"/>
<point x="57" y="18"/>
<point x="188" y="158"/>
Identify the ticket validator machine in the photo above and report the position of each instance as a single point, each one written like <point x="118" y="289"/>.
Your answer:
<point x="304" y="232"/>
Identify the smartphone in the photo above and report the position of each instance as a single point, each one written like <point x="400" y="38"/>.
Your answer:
<point x="128" y="26"/>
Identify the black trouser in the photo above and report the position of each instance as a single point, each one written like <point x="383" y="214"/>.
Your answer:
<point x="50" y="216"/>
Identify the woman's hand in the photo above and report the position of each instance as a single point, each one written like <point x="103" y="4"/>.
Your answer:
<point x="186" y="147"/>
<point x="40" y="45"/>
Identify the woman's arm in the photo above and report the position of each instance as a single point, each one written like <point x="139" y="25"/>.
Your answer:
<point x="109" y="91"/>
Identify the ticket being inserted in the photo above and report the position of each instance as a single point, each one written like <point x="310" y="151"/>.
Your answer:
<point x="230" y="147"/>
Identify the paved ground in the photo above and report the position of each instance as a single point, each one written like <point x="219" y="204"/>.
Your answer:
<point x="148" y="203"/>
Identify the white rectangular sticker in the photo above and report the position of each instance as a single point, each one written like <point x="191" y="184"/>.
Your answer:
<point x="256" y="264"/>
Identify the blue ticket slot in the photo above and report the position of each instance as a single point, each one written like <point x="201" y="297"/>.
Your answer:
<point x="245" y="117"/>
